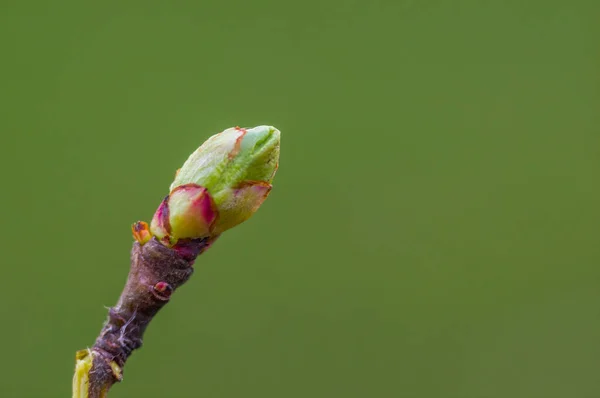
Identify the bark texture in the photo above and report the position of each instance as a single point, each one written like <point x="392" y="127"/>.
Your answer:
<point x="156" y="272"/>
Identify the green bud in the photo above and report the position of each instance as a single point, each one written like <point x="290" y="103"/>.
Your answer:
<point x="220" y="185"/>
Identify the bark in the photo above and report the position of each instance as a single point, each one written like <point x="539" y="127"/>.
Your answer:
<point x="156" y="273"/>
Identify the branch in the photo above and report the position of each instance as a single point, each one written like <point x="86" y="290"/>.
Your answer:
<point x="221" y="185"/>
<point x="156" y="272"/>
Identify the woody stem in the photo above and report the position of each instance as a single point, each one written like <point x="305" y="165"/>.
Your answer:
<point x="156" y="272"/>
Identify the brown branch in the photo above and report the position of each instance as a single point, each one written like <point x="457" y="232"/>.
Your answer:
<point x="156" y="272"/>
<point x="220" y="186"/>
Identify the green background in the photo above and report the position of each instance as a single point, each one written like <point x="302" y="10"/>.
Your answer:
<point x="432" y="232"/>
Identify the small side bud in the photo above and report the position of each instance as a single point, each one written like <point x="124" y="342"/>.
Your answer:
<point x="162" y="291"/>
<point x="141" y="232"/>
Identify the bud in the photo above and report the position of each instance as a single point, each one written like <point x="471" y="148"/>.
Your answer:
<point x="220" y="186"/>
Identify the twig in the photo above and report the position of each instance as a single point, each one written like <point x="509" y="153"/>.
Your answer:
<point x="156" y="272"/>
<point x="221" y="185"/>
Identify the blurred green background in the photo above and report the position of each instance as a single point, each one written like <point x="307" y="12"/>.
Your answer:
<point x="433" y="230"/>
